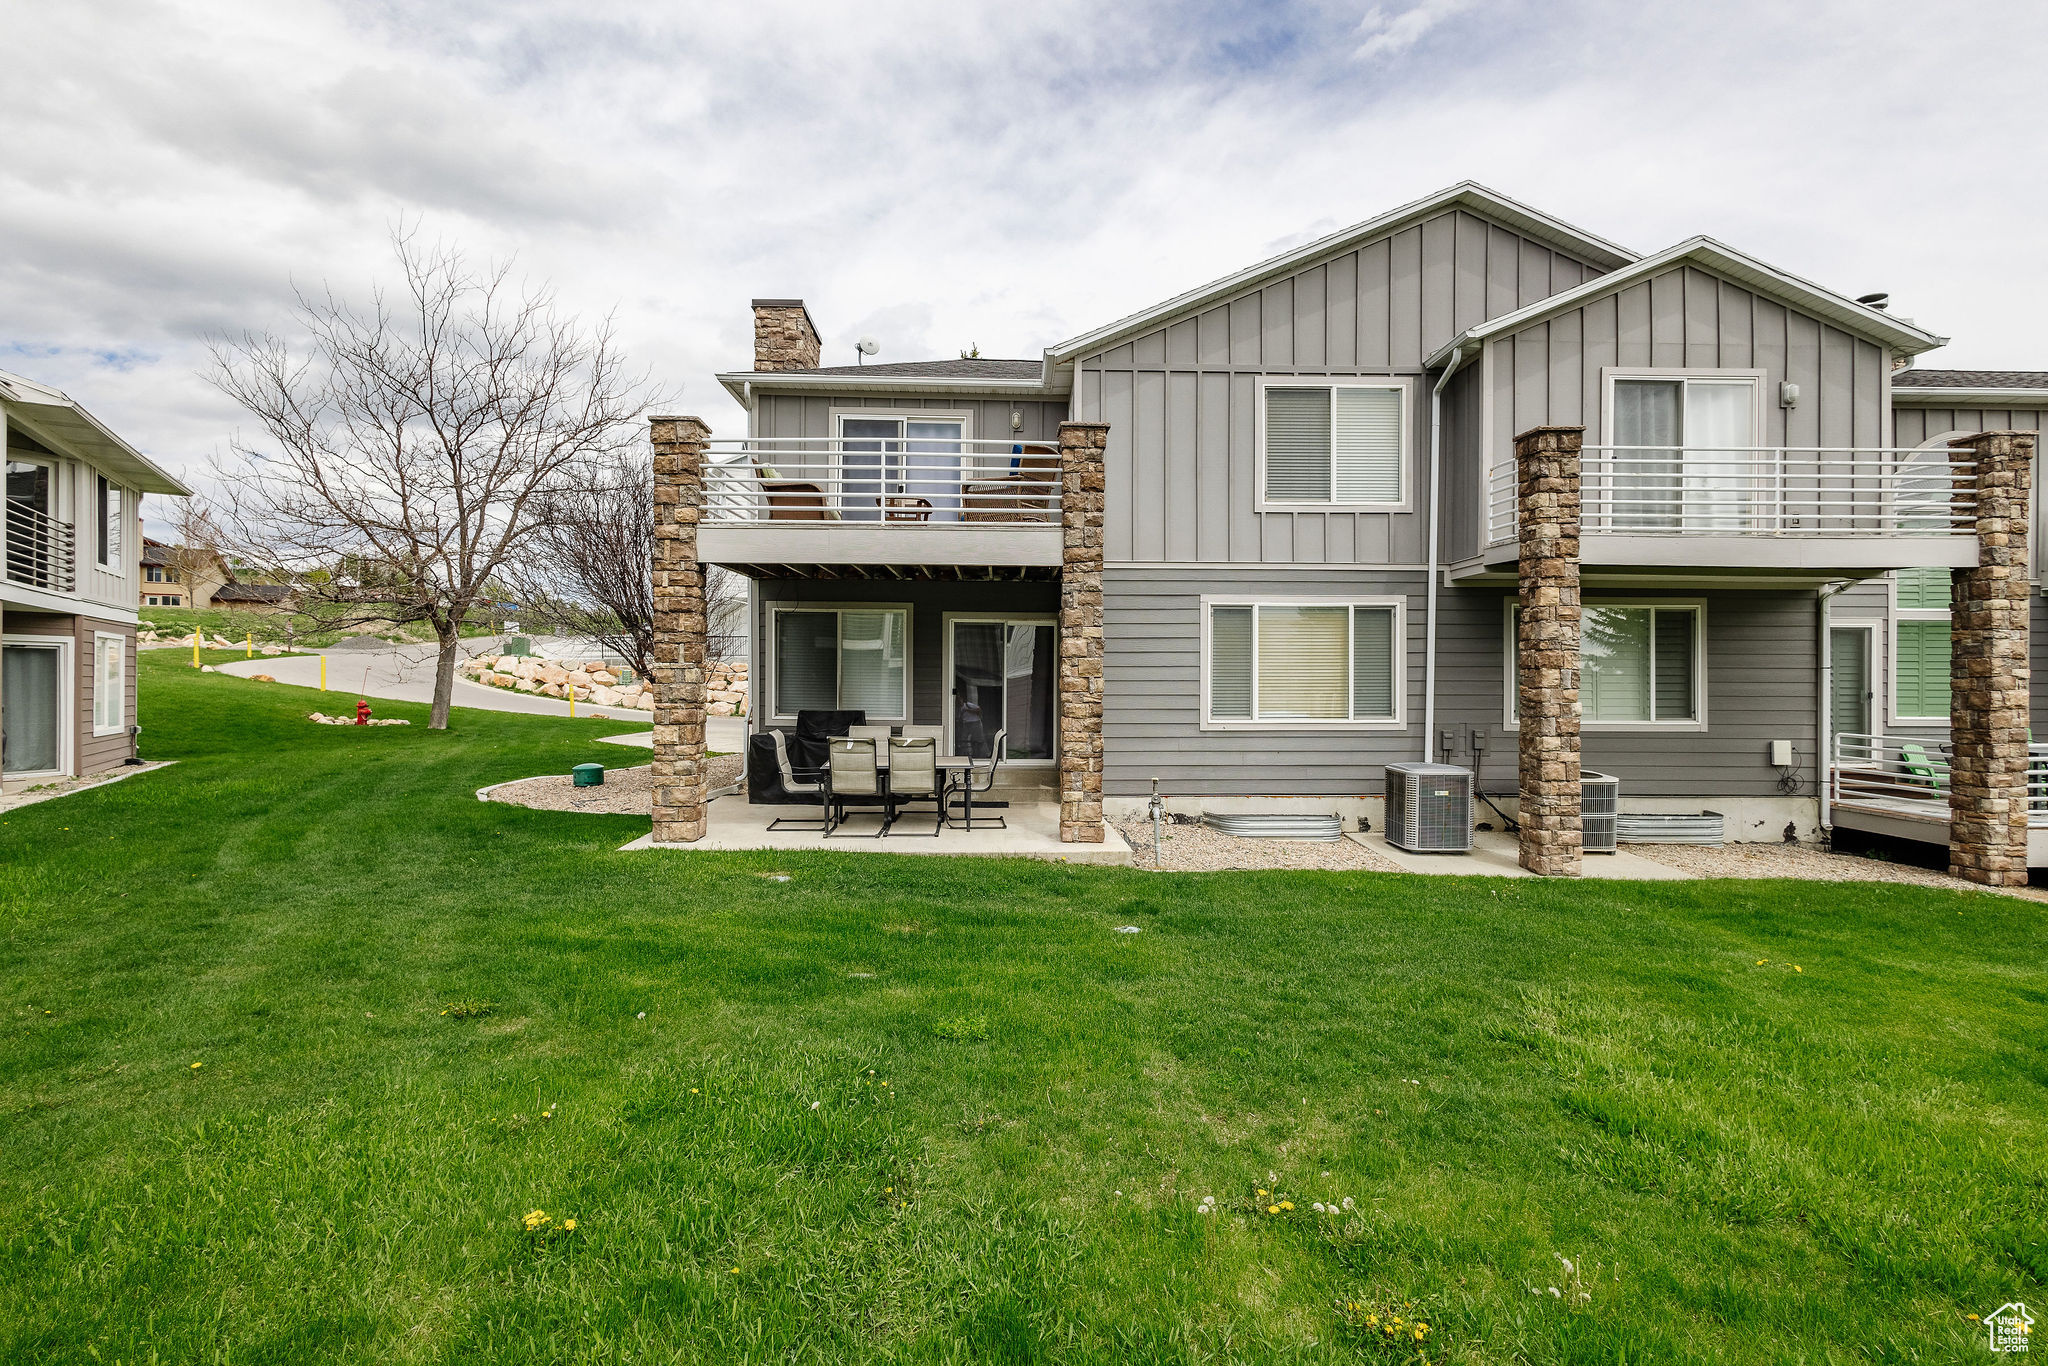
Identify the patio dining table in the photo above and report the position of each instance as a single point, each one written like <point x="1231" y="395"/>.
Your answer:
<point x="951" y="767"/>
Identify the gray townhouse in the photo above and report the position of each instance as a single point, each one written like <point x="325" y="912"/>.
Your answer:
<point x="71" y="580"/>
<point x="1264" y="538"/>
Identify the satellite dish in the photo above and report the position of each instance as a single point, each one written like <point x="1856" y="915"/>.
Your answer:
<point x="867" y="346"/>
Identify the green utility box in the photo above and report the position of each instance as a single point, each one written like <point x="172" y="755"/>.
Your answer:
<point x="587" y="775"/>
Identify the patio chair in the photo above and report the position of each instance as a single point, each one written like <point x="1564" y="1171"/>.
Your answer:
<point x="1913" y="758"/>
<point x="772" y="780"/>
<point x="1028" y="493"/>
<point x="879" y="734"/>
<point x="981" y="780"/>
<point x="914" y="777"/>
<point x="852" y="773"/>
<point x="793" y="500"/>
<point x="935" y="734"/>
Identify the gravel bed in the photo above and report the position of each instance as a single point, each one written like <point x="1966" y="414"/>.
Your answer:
<point x="1809" y="861"/>
<point x="624" y="792"/>
<point x="1198" y="849"/>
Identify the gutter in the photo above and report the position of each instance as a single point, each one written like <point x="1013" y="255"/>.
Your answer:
<point x="1824" y="721"/>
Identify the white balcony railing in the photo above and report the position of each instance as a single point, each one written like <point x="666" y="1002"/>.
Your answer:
<point x="40" y="550"/>
<point x="865" y="482"/>
<point x="1908" y="777"/>
<point x="1761" y="491"/>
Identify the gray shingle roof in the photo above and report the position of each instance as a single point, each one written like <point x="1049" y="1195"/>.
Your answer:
<point x="252" y="592"/>
<point x="935" y="369"/>
<point x="1970" y="379"/>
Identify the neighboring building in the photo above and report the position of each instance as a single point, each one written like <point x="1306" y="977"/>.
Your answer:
<point x="173" y="576"/>
<point x="255" y="597"/>
<point x="1307" y="545"/>
<point x="71" y="581"/>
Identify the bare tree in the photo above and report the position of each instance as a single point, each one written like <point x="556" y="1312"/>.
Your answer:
<point x="589" y="569"/>
<point x="198" y="555"/>
<point x="412" y="444"/>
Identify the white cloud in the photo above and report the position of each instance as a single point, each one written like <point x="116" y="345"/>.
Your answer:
<point x="1389" y="35"/>
<point x="945" y="175"/>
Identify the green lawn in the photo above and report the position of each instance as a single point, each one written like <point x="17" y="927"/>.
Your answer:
<point x="920" y="1109"/>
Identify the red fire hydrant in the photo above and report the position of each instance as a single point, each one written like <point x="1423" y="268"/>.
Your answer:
<point x="362" y="711"/>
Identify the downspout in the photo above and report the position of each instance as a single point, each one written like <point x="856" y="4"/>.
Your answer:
<point x="1436" y="438"/>
<point x="1823" y="764"/>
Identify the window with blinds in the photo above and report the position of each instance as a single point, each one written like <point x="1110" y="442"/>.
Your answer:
<point x="1920" y="650"/>
<point x="1337" y="444"/>
<point x="842" y="659"/>
<point x="1303" y="662"/>
<point x="1637" y="665"/>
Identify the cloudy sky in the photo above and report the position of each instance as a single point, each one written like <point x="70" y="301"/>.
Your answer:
<point x="955" y="174"/>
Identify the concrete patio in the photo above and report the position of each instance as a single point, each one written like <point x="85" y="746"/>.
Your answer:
<point x="1033" y="832"/>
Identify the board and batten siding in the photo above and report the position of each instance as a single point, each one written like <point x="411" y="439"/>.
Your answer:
<point x="1762" y="676"/>
<point x="1550" y="373"/>
<point x="815" y="415"/>
<point x="1152" y="692"/>
<point x="1181" y="399"/>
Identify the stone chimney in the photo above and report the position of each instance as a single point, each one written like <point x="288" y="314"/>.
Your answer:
<point x="785" y="338"/>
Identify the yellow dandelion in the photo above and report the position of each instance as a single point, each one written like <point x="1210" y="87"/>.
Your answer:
<point x="1272" y="1209"/>
<point x="1286" y="1204"/>
<point x="888" y="1190"/>
<point x="568" y="1226"/>
<point x="1261" y="1192"/>
<point x="1761" y="961"/>
<point x="1372" y="1320"/>
<point x="735" y="1271"/>
<point x="1797" y="968"/>
<point x="693" y="1090"/>
<point x="197" y="1065"/>
<point x="1418" y="1335"/>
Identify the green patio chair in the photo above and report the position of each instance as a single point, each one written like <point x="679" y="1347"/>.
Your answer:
<point x="1915" y="761"/>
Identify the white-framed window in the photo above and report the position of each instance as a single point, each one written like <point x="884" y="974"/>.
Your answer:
<point x="1642" y="665"/>
<point x="1684" y="448"/>
<point x="1306" y="663"/>
<point x="1333" y="443"/>
<point x="107" y="541"/>
<point x="109" y="683"/>
<point x="830" y="657"/>
<point x="1920" y="646"/>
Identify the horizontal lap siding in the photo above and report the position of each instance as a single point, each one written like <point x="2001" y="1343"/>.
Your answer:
<point x="90" y="753"/>
<point x="1550" y="372"/>
<point x="1762" y="680"/>
<point x="1181" y="400"/>
<point x="1152" y="693"/>
<point x="929" y="604"/>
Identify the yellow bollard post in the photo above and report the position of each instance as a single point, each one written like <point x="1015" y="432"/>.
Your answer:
<point x="195" y="647"/>
<point x="249" y="645"/>
<point x="572" y="701"/>
<point x="323" y="673"/>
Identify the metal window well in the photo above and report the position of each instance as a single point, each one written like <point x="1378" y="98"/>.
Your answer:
<point x="1429" y="808"/>
<point x="1599" y="812"/>
<point x="1275" y="825"/>
<point x="1704" y="827"/>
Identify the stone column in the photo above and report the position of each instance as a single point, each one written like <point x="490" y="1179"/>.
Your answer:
<point x="1988" y="674"/>
<point x="1547" y="648"/>
<point x="679" y="631"/>
<point x="1080" y="716"/>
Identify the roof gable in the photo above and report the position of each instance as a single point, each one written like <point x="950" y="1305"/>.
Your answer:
<point x="1720" y="259"/>
<point x="1468" y="195"/>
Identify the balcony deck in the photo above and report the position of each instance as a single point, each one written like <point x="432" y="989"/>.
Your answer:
<point x="844" y="507"/>
<point x="1778" y="512"/>
<point x="1898" y="787"/>
<point x="40" y="565"/>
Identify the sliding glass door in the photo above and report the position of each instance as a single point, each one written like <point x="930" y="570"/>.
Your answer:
<point x="908" y="468"/>
<point x="1685" y="454"/>
<point x="32" y="682"/>
<point x="1003" y="673"/>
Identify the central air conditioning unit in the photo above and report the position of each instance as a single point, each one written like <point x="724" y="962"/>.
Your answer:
<point x="1429" y="808"/>
<point x="1600" y="812"/>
